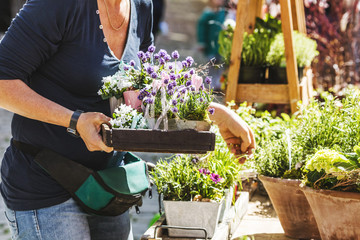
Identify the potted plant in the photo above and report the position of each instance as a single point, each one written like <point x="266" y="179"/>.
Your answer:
<point x="305" y="52"/>
<point x="284" y="149"/>
<point x="333" y="181"/>
<point x="193" y="188"/>
<point x="171" y="93"/>
<point x="272" y="163"/>
<point x="255" y="48"/>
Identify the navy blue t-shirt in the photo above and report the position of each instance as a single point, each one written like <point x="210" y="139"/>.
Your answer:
<point x="58" y="48"/>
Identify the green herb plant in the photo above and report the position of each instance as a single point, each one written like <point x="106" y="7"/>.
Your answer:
<point x="195" y="177"/>
<point x="304" y="47"/>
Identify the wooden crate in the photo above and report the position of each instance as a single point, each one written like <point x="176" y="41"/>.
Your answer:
<point x="147" y="140"/>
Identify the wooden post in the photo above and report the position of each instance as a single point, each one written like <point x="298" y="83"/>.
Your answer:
<point x="235" y="60"/>
<point x="298" y="14"/>
<point x="255" y="10"/>
<point x="291" y="65"/>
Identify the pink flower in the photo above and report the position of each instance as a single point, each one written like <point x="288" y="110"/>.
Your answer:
<point x="164" y="78"/>
<point x="156" y="84"/>
<point x="196" y="81"/>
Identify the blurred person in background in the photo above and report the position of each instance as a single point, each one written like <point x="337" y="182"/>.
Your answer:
<point x="208" y="28"/>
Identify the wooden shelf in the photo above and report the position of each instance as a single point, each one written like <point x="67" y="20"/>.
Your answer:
<point x="289" y="93"/>
<point x="263" y="93"/>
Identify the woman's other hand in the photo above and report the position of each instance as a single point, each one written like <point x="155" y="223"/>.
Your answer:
<point x="235" y="131"/>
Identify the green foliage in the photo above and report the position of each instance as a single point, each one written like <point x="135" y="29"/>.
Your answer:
<point x="225" y="43"/>
<point x="304" y="47"/>
<point x="329" y="123"/>
<point x="255" y="46"/>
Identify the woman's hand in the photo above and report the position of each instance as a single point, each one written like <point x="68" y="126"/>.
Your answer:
<point x="89" y="126"/>
<point x="235" y="131"/>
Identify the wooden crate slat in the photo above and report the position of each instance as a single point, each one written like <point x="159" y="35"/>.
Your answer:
<point x="263" y="93"/>
<point x="147" y="140"/>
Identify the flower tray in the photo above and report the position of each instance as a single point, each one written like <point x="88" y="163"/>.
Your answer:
<point x="147" y="140"/>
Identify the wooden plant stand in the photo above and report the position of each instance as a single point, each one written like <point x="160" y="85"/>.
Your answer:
<point x="292" y="17"/>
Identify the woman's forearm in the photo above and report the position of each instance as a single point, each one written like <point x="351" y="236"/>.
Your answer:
<point x="17" y="97"/>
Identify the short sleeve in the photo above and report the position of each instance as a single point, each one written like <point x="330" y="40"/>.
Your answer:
<point x="148" y="35"/>
<point x="33" y="37"/>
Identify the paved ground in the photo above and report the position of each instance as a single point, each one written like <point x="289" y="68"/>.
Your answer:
<point x="260" y="222"/>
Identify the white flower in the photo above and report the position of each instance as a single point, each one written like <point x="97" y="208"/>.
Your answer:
<point x="124" y="117"/>
<point x="229" y="22"/>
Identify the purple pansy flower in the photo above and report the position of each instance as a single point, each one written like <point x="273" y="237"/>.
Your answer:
<point x="126" y="68"/>
<point x="162" y="61"/>
<point x="201" y="99"/>
<point x="151" y="48"/>
<point x="208" y="80"/>
<point x="172" y="76"/>
<point x="186" y="75"/>
<point x="153" y="93"/>
<point x="188" y="83"/>
<point x="154" y="75"/>
<point x="174" y="102"/>
<point x="162" y="53"/>
<point x="190" y="61"/>
<point x="175" y="110"/>
<point x="156" y="56"/>
<point x="192" y="71"/>
<point x="215" y="178"/>
<point x="184" y="64"/>
<point x="141" y="55"/>
<point x="150" y="70"/>
<point x="212" y="111"/>
<point x="175" y="54"/>
<point x="204" y="171"/>
<point x="132" y="63"/>
<point x="167" y="57"/>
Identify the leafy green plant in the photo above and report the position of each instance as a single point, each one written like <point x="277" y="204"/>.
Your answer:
<point x="225" y="43"/>
<point x="196" y="177"/>
<point x="330" y="169"/>
<point x="255" y="45"/>
<point x="304" y="47"/>
<point x="285" y="144"/>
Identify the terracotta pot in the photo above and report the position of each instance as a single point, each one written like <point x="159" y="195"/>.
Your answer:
<point x="336" y="213"/>
<point x="292" y="208"/>
<point x="131" y="99"/>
